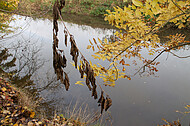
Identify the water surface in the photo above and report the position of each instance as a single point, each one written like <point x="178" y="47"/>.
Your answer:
<point x="142" y="101"/>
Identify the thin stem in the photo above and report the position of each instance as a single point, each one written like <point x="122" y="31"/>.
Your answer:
<point x="165" y="50"/>
<point x="177" y="6"/>
<point x="179" y="56"/>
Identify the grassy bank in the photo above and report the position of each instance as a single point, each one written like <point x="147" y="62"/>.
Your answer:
<point x="84" y="7"/>
<point x="91" y="7"/>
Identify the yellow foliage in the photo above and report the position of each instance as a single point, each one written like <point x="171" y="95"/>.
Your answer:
<point x="139" y="24"/>
<point x="5" y="18"/>
<point x="79" y="83"/>
<point x="32" y="114"/>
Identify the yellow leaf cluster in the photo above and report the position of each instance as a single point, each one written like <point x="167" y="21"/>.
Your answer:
<point x="5" y="18"/>
<point x="138" y="24"/>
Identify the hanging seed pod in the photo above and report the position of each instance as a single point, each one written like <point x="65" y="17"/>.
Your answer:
<point x="62" y="4"/>
<point x="66" y="35"/>
<point x="101" y="101"/>
<point x="81" y="71"/>
<point x="94" y="92"/>
<point x="66" y="82"/>
<point x="74" y="51"/>
<point x="108" y="103"/>
<point x="59" y="60"/>
<point x="55" y="40"/>
<point x="88" y="84"/>
<point x="64" y="61"/>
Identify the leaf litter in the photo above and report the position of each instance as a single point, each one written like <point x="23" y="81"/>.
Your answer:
<point x="11" y="113"/>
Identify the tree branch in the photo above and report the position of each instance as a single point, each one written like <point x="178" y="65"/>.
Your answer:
<point x="151" y="32"/>
<point x="165" y="50"/>
<point x="179" y="56"/>
<point x="5" y="11"/>
<point x="177" y="6"/>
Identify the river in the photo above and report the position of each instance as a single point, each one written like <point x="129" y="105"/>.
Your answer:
<point x="141" y="101"/>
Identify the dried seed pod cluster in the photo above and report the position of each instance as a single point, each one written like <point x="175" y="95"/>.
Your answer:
<point x="90" y="78"/>
<point x="105" y="103"/>
<point x="59" y="61"/>
<point x="74" y="50"/>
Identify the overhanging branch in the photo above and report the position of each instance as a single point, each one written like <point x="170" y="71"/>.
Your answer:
<point x="165" y="50"/>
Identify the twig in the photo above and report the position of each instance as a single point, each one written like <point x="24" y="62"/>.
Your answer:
<point x="116" y="72"/>
<point x="177" y="6"/>
<point x="70" y="34"/>
<point x="165" y="50"/>
<point x="124" y="50"/>
<point x="5" y="11"/>
<point x="179" y="56"/>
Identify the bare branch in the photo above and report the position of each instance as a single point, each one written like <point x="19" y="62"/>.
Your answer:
<point x="165" y="50"/>
<point x="5" y="11"/>
<point x="179" y="56"/>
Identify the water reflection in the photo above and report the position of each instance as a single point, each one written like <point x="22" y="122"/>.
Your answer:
<point x="140" y="101"/>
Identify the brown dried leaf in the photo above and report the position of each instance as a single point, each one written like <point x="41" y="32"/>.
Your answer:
<point x="95" y="41"/>
<point x="122" y="62"/>
<point x="81" y="71"/>
<point x="101" y="97"/>
<point x="74" y="51"/>
<point x="66" y="35"/>
<point x="108" y="103"/>
<point x="102" y="101"/>
<point x="94" y="92"/>
<point x="64" y="61"/>
<point x="88" y="84"/>
<point x="66" y="82"/>
<point x="55" y="40"/>
<point x="55" y="18"/>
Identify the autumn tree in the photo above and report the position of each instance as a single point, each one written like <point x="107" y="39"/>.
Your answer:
<point x="7" y="8"/>
<point x="139" y="25"/>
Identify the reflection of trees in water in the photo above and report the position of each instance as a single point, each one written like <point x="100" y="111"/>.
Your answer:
<point x="111" y="38"/>
<point x="172" y="31"/>
<point x="22" y="63"/>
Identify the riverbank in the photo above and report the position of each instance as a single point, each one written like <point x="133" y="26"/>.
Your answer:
<point x="91" y="7"/>
<point x="80" y="7"/>
<point x="17" y="108"/>
<point x="21" y="104"/>
<point x="74" y="9"/>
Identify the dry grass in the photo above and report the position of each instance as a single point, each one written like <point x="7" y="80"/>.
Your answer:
<point x="83" y="115"/>
<point x="35" y="7"/>
<point x="25" y="99"/>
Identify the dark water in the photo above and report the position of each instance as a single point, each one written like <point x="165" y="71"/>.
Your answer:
<point x="142" y="101"/>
